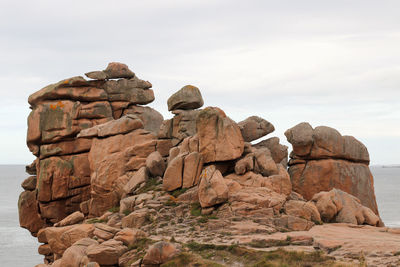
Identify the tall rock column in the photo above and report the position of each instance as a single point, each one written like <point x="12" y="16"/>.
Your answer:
<point x="60" y="111"/>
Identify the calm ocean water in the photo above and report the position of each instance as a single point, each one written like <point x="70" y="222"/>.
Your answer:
<point x="19" y="248"/>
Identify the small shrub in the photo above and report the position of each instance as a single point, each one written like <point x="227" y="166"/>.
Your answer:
<point x="195" y="209"/>
<point x="203" y="220"/>
<point x="95" y="220"/>
<point x="178" y="192"/>
<point x="140" y="244"/>
<point x="171" y="202"/>
<point x="114" y="209"/>
<point x="150" y="185"/>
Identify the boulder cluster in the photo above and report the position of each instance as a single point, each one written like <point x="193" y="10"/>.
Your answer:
<point x="109" y="171"/>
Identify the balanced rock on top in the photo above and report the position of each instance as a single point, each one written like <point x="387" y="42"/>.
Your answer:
<point x="255" y="127"/>
<point x="114" y="70"/>
<point x="189" y="97"/>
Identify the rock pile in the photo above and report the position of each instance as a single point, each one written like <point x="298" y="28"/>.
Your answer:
<point x="111" y="174"/>
<point x="323" y="159"/>
<point x="66" y="172"/>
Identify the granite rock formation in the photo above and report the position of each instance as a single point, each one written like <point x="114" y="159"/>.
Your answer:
<point x="111" y="175"/>
<point x="323" y="159"/>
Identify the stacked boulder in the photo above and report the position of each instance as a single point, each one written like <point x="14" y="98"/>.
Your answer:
<point x="64" y="167"/>
<point x="109" y="169"/>
<point x="323" y="159"/>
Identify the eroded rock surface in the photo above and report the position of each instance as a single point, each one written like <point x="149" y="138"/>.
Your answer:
<point x="323" y="159"/>
<point x="113" y="180"/>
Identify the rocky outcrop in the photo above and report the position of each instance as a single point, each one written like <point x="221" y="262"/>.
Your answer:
<point x="341" y="207"/>
<point x="62" y="127"/>
<point x="323" y="159"/>
<point x="112" y="178"/>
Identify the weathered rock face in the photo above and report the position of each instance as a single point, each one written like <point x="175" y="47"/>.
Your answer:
<point x="184" y="166"/>
<point x="189" y="97"/>
<point x="212" y="188"/>
<point x="255" y="127"/>
<point x="111" y="176"/>
<point x="182" y="125"/>
<point x="220" y="138"/>
<point x="159" y="253"/>
<point x="76" y="107"/>
<point x="322" y="159"/>
<point x="341" y="207"/>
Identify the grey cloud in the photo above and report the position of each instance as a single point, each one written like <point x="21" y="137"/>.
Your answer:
<point x="328" y="62"/>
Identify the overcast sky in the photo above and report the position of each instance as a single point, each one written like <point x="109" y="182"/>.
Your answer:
<point x="333" y="63"/>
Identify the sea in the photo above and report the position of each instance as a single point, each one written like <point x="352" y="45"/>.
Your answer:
<point x="19" y="248"/>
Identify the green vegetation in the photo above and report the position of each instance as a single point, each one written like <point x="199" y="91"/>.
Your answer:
<point x="114" y="209"/>
<point x="228" y="255"/>
<point x="171" y="203"/>
<point x="141" y="244"/>
<point x="262" y="243"/>
<point x="178" y="192"/>
<point x="150" y="185"/>
<point x="195" y="209"/>
<point x="95" y="220"/>
<point x="189" y="259"/>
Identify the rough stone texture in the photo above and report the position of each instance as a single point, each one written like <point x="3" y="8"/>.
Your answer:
<point x="117" y="70"/>
<point x="29" y="184"/>
<point x="71" y="107"/>
<point x="128" y="90"/>
<point x="122" y="125"/>
<point x="151" y="118"/>
<point x="279" y="153"/>
<point x="136" y="219"/>
<point x="193" y="164"/>
<point x="323" y="159"/>
<point x="29" y="216"/>
<point x="302" y="209"/>
<point x="173" y="174"/>
<point x="96" y="148"/>
<point x="325" y="142"/>
<point x="155" y="164"/>
<point x="188" y="97"/>
<point x="73" y="218"/>
<point x="129" y="236"/>
<point x="76" y="254"/>
<point x="76" y="146"/>
<point x="110" y="158"/>
<point x="182" y="125"/>
<point x="212" y="188"/>
<point x="281" y="182"/>
<point x="339" y="206"/>
<point x="264" y="164"/>
<point x="106" y="253"/>
<point x="160" y="252"/>
<point x="220" y="138"/>
<point x="61" y="238"/>
<point x="255" y="127"/>
<point x="323" y="175"/>
<point x="136" y="180"/>
<point x="250" y="200"/>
